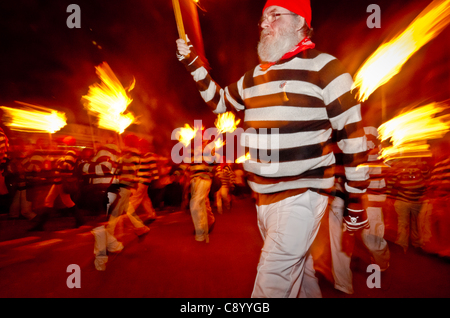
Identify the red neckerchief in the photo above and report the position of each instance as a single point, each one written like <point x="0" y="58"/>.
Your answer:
<point x="304" y="44"/>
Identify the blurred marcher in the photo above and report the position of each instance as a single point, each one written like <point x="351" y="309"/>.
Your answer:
<point x="342" y="243"/>
<point x="158" y="188"/>
<point x="100" y="174"/>
<point x="147" y="173"/>
<point x="40" y="173"/>
<point x="173" y="196"/>
<point x="408" y="186"/>
<point x="201" y="174"/>
<point x="227" y="180"/>
<point x="241" y="189"/>
<point x="65" y="184"/>
<point x="17" y="170"/>
<point x="4" y="146"/>
<point x="128" y="168"/>
<point x="4" y="163"/>
<point x="434" y="219"/>
<point x="182" y="176"/>
<point x="5" y="197"/>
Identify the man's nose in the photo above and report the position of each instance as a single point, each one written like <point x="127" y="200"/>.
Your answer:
<point x="264" y="24"/>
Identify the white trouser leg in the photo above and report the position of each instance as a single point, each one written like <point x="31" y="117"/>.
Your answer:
<point x="288" y="228"/>
<point x="373" y="238"/>
<point x="340" y="260"/>
<point x="199" y="207"/>
<point x="101" y="257"/>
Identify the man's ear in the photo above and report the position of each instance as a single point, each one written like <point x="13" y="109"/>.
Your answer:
<point x="301" y="22"/>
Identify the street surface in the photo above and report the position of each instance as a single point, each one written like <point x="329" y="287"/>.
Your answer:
<point x="169" y="263"/>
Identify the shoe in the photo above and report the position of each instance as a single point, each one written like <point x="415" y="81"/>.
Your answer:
<point x="372" y="261"/>
<point x="141" y="230"/>
<point x="37" y="228"/>
<point x="204" y="238"/>
<point x="386" y="280"/>
<point x="148" y="221"/>
<point x="211" y="227"/>
<point x="79" y="224"/>
<point x="116" y="247"/>
<point x="41" y="220"/>
<point x="100" y="263"/>
<point x="348" y="291"/>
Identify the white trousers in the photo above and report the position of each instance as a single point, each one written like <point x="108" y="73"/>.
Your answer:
<point x="55" y="191"/>
<point x="104" y="242"/>
<point x="20" y="205"/>
<point x="408" y="223"/>
<point x="200" y="214"/>
<point x="118" y="207"/>
<point x="223" y="197"/>
<point x="372" y="238"/>
<point x="288" y="228"/>
<point x="139" y="196"/>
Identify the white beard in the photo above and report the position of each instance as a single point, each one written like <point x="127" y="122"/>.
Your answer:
<point x="272" y="46"/>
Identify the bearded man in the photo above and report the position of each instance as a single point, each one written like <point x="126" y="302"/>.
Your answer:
<point x="299" y="98"/>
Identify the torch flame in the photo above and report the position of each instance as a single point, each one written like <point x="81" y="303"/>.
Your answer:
<point x="186" y="134"/>
<point x="389" y="58"/>
<point x="243" y="158"/>
<point x="109" y="100"/>
<point x="33" y="118"/>
<point x="225" y="122"/>
<point x="410" y="131"/>
<point x="219" y="143"/>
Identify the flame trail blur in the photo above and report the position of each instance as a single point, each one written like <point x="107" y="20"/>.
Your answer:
<point x="389" y="58"/>
<point x="226" y="122"/>
<point x="409" y="132"/>
<point x="109" y="101"/>
<point x="243" y="158"/>
<point x="34" y="118"/>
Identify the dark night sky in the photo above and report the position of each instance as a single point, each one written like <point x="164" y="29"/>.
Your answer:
<point x="44" y="62"/>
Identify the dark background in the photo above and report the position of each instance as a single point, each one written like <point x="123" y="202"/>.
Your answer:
<point x="44" y="62"/>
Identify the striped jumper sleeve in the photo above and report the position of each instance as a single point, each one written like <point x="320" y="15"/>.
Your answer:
<point x="290" y="112"/>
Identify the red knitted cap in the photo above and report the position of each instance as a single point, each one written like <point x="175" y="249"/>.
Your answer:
<point x="300" y="7"/>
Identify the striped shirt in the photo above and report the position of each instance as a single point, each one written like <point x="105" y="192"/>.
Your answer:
<point x="35" y="162"/>
<point x="199" y="167"/>
<point x="67" y="162"/>
<point x="376" y="190"/>
<point x="226" y="176"/>
<point x="128" y="168"/>
<point x="409" y="181"/>
<point x="102" y="166"/>
<point x="66" y="165"/>
<point x="148" y="168"/>
<point x="439" y="183"/>
<point x="290" y="113"/>
<point x="17" y="169"/>
<point x="4" y="145"/>
<point x="42" y="167"/>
